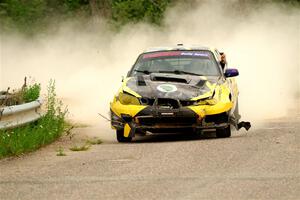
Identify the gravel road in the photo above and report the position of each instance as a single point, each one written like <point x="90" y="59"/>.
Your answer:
<point x="260" y="164"/>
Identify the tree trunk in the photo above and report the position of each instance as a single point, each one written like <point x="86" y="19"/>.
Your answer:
<point x="100" y="8"/>
<point x="94" y="7"/>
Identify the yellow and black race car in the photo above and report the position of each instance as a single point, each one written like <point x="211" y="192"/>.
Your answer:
<point x="176" y="89"/>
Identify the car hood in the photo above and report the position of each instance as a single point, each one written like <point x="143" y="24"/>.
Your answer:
<point x="181" y="87"/>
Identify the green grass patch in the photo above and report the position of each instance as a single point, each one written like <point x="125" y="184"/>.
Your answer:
<point x="84" y="147"/>
<point x="94" y="141"/>
<point x="35" y="135"/>
<point x="87" y="145"/>
<point x="60" y="152"/>
<point x="31" y="93"/>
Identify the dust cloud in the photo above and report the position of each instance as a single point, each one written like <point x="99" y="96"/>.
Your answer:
<point x="87" y="61"/>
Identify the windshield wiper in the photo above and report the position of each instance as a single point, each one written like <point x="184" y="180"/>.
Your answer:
<point x="142" y="71"/>
<point x="181" y="72"/>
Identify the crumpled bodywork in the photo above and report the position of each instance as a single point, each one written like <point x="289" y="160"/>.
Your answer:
<point x="212" y="96"/>
<point x="169" y="101"/>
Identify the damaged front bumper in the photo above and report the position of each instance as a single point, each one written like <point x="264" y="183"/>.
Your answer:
<point x="155" y="121"/>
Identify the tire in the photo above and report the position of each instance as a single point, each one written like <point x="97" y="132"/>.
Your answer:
<point x="223" y="133"/>
<point x="121" y="138"/>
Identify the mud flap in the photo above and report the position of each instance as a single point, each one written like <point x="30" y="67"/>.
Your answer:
<point x="246" y="125"/>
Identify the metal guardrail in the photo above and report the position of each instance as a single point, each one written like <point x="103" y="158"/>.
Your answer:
<point x="19" y="115"/>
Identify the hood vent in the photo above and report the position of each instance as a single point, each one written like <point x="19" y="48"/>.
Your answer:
<point x="201" y="83"/>
<point x="169" y="79"/>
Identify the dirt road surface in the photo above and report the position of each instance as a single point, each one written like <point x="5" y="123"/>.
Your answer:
<point x="260" y="164"/>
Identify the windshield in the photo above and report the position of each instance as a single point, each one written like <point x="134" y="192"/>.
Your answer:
<point x="179" y="62"/>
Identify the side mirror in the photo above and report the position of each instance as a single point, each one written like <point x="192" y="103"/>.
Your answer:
<point x="231" y="73"/>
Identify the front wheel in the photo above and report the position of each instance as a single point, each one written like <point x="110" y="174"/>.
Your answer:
<point x="121" y="137"/>
<point x="223" y="133"/>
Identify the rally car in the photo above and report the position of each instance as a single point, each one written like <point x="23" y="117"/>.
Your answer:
<point x="176" y="89"/>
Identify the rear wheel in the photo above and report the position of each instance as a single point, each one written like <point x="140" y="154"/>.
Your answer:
<point x="121" y="137"/>
<point x="223" y="133"/>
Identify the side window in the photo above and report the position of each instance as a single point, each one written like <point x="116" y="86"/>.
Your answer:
<point x="218" y="56"/>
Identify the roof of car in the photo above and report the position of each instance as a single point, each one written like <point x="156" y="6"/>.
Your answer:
<point x="177" y="47"/>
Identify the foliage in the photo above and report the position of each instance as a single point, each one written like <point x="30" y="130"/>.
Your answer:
<point x="35" y="15"/>
<point x="22" y="14"/>
<point x="94" y="141"/>
<point x="37" y="134"/>
<point x="60" y="152"/>
<point x="31" y="93"/>
<point x="84" y="147"/>
<point x="26" y="94"/>
<point x="126" y="11"/>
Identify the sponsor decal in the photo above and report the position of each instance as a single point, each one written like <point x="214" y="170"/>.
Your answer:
<point x="167" y="114"/>
<point x="174" y="53"/>
<point x="167" y="88"/>
<point x="194" y="54"/>
<point x="162" y="54"/>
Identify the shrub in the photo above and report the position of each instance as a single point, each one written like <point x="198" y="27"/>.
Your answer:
<point x="31" y="93"/>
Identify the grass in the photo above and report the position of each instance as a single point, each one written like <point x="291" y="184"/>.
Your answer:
<point x="84" y="147"/>
<point x="87" y="145"/>
<point x="60" y="152"/>
<point x="35" y="135"/>
<point x="31" y="93"/>
<point x="94" y="141"/>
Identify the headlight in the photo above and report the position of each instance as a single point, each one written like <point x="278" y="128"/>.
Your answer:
<point x="128" y="99"/>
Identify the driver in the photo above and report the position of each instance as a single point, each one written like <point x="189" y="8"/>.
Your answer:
<point x="223" y="61"/>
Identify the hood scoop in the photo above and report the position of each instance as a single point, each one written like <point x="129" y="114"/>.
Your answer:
<point x="168" y="78"/>
<point x="168" y="86"/>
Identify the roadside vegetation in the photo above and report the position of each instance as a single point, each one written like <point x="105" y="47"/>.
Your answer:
<point x="94" y="141"/>
<point x="35" y="16"/>
<point x="40" y="133"/>
<point x="60" y="152"/>
<point x="26" y="94"/>
<point x="87" y="145"/>
<point x="84" y="147"/>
